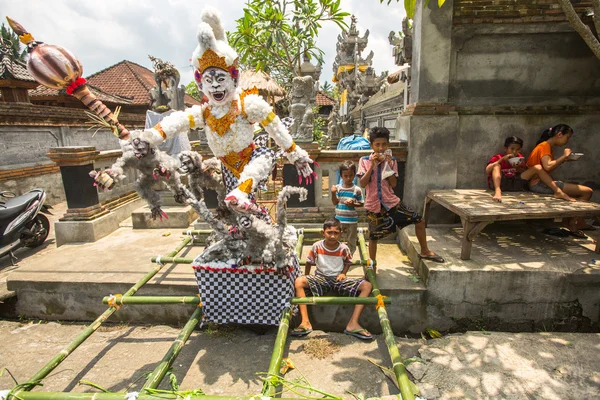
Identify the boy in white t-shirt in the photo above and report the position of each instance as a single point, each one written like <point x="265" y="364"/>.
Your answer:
<point x="333" y="259"/>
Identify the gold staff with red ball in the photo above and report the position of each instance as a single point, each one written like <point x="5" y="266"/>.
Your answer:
<point x="57" y="68"/>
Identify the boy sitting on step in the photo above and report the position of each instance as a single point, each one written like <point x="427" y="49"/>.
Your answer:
<point x="333" y="259"/>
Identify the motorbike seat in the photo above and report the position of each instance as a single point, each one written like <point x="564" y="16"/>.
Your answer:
<point x="12" y="207"/>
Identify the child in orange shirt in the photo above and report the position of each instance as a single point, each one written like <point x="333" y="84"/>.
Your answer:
<point x="504" y="176"/>
<point x="542" y="155"/>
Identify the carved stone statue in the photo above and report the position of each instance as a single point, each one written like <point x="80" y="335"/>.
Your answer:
<point x="301" y="110"/>
<point x="167" y="95"/>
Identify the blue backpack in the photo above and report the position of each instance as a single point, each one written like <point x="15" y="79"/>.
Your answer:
<point x="354" y="142"/>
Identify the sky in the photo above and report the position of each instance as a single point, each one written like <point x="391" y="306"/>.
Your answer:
<point x="104" y="32"/>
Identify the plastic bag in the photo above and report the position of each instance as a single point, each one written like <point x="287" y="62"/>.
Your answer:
<point x="387" y="170"/>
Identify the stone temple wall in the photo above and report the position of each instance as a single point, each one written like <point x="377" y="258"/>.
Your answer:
<point x="476" y="81"/>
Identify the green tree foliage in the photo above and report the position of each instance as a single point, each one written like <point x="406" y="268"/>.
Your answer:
<point x="319" y="124"/>
<point x="193" y="91"/>
<point x="12" y="40"/>
<point x="274" y="35"/>
<point x="411" y="5"/>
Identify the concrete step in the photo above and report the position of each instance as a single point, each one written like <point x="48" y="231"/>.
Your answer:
<point x="178" y="217"/>
<point x="67" y="286"/>
<point x="516" y="274"/>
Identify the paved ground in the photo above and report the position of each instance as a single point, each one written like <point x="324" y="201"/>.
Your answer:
<point x="25" y="254"/>
<point x="474" y="365"/>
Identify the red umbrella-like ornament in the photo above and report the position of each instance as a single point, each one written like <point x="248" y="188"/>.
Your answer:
<point x="57" y="68"/>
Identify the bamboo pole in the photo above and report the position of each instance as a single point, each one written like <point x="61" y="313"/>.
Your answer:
<point x="397" y="364"/>
<point x="300" y="244"/>
<point x="150" y="300"/>
<point x="269" y="389"/>
<point x="121" y="396"/>
<point x="173" y="260"/>
<point x="160" y="371"/>
<point x="90" y="329"/>
<point x="208" y="231"/>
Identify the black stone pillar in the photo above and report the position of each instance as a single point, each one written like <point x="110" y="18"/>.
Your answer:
<point x="75" y="163"/>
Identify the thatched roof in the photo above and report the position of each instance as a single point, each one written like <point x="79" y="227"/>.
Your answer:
<point x="262" y="81"/>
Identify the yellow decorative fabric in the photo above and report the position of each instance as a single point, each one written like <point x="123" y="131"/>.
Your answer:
<point x="269" y="119"/>
<point x="26" y="38"/>
<point x="349" y="68"/>
<point x="237" y="161"/>
<point x="380" y="301"/>
<point x="112" y="301"/>
<point x="221" y="125"/>
<point x="246" y="186"/>
<point x="192" y="122"/>
<point x="291" y="148"/>
<point x="159" y="129"/>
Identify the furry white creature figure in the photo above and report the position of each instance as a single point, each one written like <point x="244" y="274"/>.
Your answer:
<point x="228" y="120"/>
<point x="252" y="239"/>
<point x="141" y="152"/>
<point x="202" y="174"/>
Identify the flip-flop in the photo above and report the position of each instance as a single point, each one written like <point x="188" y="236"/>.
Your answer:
<point x="357" y="333"/>
<point x="300" y="331"/>
<point x="578" y="234"/>
<point x="434" y="258"/>
<point x="560" y="232"/>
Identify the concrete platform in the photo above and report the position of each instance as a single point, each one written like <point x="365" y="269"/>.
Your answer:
<point x="68" y="283"/>
<point x="178" y="217"/>
<point x="518" y="278"/>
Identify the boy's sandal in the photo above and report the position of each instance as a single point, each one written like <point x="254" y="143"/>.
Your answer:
<point x="300" y="331"/>
<point x="360" y="333"/>
<point x="578" y="234"/>
<point x="434" y="258"/>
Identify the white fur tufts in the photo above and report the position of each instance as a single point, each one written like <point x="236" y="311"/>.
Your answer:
<point x="212" y="17"/>
<point x="211" y="35"/>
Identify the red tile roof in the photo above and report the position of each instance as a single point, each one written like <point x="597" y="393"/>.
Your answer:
<point x="130" y="80"/>
<point x="43" y="91"/>
<point x="324" y="100"/>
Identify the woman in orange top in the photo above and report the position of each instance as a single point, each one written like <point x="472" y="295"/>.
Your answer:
<point x="542" y="155"/>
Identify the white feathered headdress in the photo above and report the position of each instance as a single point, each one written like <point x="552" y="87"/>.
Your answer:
<point x="213" y="49"/>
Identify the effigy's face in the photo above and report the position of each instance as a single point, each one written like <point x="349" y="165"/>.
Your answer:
<point x="187" y="164"/>
<point x="218" y="86"/>
<point x="140" y="148"/>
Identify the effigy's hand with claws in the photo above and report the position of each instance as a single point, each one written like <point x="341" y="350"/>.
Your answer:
<point x="160" y="171"/>
<point x="158" y="213"/>
<point x="240" y="202"/>
<point x="305" y="171"/>
<point x="303" y="162"/>
<point x="103" y="179"/>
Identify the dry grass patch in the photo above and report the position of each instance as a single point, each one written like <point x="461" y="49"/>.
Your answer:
<point x="321" y="348"/>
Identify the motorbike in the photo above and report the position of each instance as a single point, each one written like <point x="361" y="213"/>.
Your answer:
<point x="21" y="224"/>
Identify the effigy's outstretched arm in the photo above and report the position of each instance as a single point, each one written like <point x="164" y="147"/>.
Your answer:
<point x="107" y="178"/>
<point x="258" y="110"/>
<point x="179" y="122"/>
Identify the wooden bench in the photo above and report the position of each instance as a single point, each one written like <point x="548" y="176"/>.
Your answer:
<point x="476" y="209"/>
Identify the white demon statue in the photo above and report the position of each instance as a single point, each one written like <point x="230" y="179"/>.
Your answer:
<point x="228" y="120"/>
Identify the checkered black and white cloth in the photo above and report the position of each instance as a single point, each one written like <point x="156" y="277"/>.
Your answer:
<point x="242" y="296"/>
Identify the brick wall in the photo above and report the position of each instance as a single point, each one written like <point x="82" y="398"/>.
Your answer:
<point x="512" y="11"/>
<point x="19" y="173"/>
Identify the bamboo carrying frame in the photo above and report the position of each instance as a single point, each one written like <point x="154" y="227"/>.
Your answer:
<point x="23" y="391"/>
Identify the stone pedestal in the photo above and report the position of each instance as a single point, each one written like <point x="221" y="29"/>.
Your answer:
<point x="86" y="219"/>
<point x="180" y="216"/>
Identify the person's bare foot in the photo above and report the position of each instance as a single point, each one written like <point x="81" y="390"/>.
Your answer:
<point x="562" y="195"/>
<point x="497" y="196"/>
